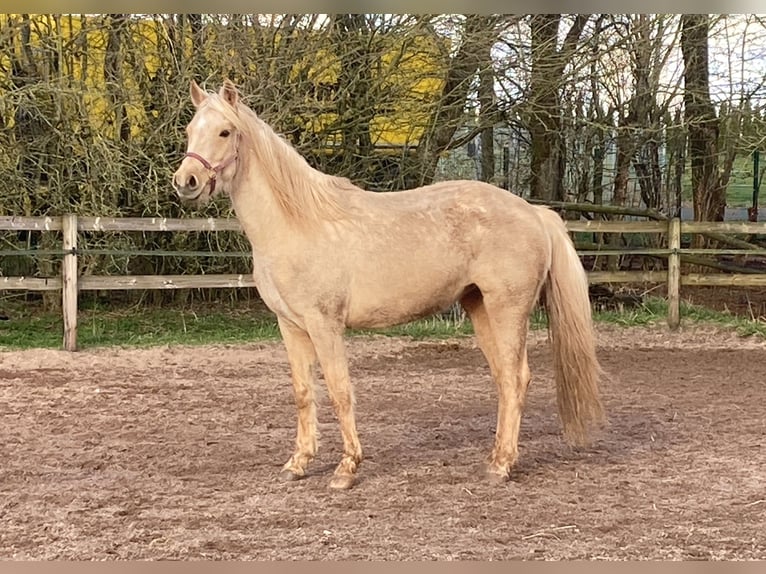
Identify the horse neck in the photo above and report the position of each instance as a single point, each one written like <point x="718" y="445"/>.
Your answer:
<point x="280" y="194"/>
<point x="256" y="209"/>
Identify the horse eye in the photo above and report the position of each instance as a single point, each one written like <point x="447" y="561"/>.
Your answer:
<point x="225" y="133"/>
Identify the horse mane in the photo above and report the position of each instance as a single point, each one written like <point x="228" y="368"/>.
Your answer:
<point x="305" y="194"/>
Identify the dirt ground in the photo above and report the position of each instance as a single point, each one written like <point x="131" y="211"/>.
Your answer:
<point x="173" y="453"/>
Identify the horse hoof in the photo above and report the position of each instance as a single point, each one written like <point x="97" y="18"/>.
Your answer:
<point x="289" y="476"/>
<point x="498" y="476"/>
<point x="342" y="481"/>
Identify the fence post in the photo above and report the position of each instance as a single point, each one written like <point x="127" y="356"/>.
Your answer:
<point x="674" y="273"/>
<point x="69" y="287"/>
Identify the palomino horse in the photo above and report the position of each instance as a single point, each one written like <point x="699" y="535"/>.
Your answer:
<point x="328" y="255"/>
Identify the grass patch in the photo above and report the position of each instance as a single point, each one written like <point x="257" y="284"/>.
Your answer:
<point x="138" y="328"/>
<point x="431" y="328"/>
<point x="141" y="327"/>
<point x="655" y="310"/>
<point x="651" y="311"/>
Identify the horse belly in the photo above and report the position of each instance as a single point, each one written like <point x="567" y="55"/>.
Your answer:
<point x="383" y="300"/>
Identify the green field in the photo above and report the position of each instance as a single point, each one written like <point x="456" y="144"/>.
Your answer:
<point x="140" y="327"/>
<point x="739" y="192"/>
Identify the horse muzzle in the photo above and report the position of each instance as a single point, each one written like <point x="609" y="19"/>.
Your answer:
<point x="188" y="186"/>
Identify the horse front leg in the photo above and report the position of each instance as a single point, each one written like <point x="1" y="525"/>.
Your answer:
<point x="302" y="358"/>
<point x="330" y="348"/>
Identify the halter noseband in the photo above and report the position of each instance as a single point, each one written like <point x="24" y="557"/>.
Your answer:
<point x="212" y="171"/>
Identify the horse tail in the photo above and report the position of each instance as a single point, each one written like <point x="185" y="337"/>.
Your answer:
<point x="576" y="367"/>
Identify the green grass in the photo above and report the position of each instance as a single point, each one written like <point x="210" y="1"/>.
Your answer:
<point x="141" y="327"/>
<point x="655" y="310"/>
<point x="740" y="195"/>
<point x="138" y="328"/>
<point x="431" y="328"/>
<point x="739" y="192"/>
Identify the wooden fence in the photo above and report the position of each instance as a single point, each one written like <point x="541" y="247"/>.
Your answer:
<point x="70" y="282"/>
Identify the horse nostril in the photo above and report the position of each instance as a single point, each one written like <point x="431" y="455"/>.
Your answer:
<point x="192" y="182"/>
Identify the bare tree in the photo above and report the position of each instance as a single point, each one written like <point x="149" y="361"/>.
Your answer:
<point x="708" y="189"/>
<point x="93" y="106"/>
<point x="487" y="111"/>
<point x="544" y="112"/>
<point x="479" y="33"/>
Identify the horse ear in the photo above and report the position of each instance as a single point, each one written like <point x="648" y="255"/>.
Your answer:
<point x="229" y="93"/>
<point x="198" y="95"/>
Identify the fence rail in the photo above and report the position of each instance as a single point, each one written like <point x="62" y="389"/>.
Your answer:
<point x="70" y="282"/>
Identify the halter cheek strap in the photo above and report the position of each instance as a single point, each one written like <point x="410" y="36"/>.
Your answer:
<point x="212" y="171"/>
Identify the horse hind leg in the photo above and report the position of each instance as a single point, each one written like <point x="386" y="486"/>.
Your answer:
<point x="473" y="304"/>
<point x="501" y="325"/>
<point x="302" y="358"/>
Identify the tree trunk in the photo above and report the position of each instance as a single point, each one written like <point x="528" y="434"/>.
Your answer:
<point x="544" y="119"/>
<point x="599" y="154"/>
<point x="625" y="150"/>
<point x="646" y="154"/>
<point x="478" y="33"/>
<point x="677" y="145"/>
<point x="487" y="108"/>
<point x="707" y="192"/>
<point x="356" y="108"/>
<point x="544" y="114"/>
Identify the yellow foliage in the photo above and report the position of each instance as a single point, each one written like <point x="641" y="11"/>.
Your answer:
<point x="412" y="76"/>
<point x="80" y="49"/>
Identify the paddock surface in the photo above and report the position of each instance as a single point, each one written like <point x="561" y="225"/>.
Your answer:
<point x="174" y="453"/>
